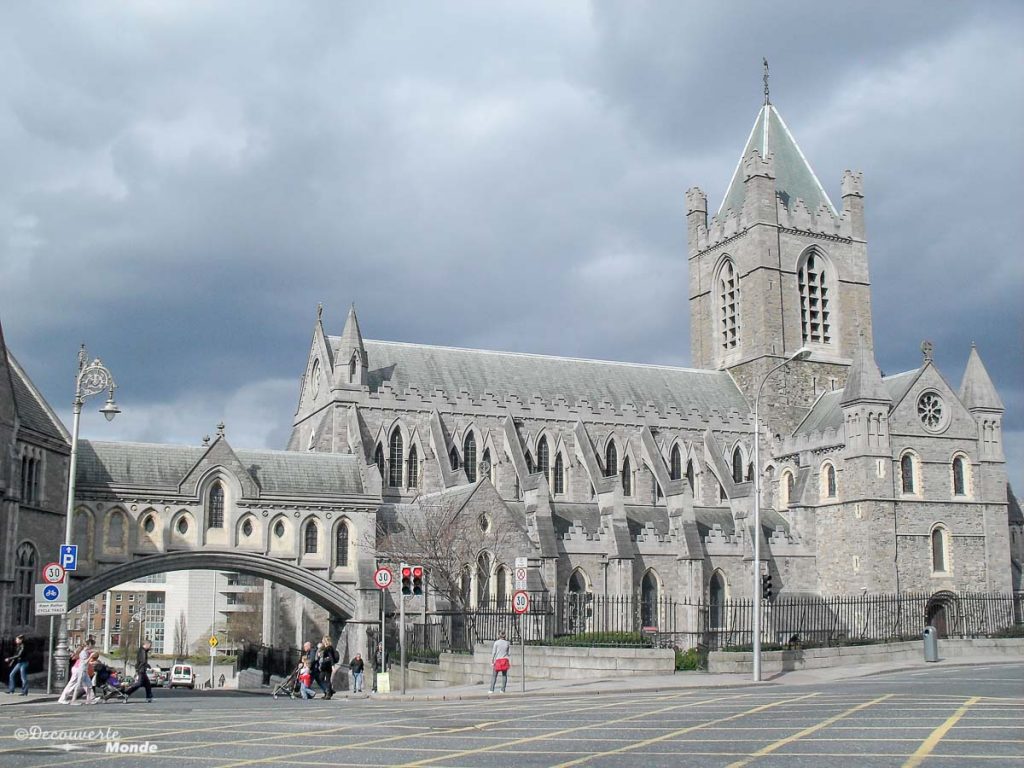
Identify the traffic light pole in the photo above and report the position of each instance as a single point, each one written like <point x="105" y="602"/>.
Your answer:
<point x="401" y="637"/>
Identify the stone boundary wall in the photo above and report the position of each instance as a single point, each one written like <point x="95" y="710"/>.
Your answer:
<point x="773" y="662"/>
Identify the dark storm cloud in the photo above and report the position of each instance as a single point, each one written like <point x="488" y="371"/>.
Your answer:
<point x="184" y="182"/>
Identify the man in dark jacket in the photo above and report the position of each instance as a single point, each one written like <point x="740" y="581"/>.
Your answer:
<point x="328" y="658"/>
<point x="19" y="666"/>
<point x="142" y="673"/>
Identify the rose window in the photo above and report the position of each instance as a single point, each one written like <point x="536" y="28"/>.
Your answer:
<point x="929" y="410"/>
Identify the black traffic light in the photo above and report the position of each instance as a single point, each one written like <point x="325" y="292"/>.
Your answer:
<point x="417" y="579"/>
<point x="406" y="579"/>
<point x="766" y="586"/>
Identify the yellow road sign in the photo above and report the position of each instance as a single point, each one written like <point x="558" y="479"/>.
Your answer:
<point x="213" y="642"/>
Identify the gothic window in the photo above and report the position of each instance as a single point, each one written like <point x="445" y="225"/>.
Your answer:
<point x="501" y="586"/>
<point x="469" y="456"/>
<point x="830" y="481"/>
<point x="31" y="480"/>
<point x="737" y="465"/>
<point x="247" y="528"/>
<point x="352" y="370"/>
<point x="543" y="459"/>
<point x="25" y="565"/>
<point x="453" y="459"/>
<point x="959" y="476"/>
<point x="907" y="473"/>
<point x="378" y="459"/>
<point x="314" y="379"/>
<point x="675" y="468"/>
<point x="116" y="530"/>
<point x="414" y="468"/>
<point x="149" y="525"/>
<point x="182" y="525"/>
<point x="341" y="546"/>
<point x="627" y="478"/>
<point x="611" y="460"/>
<point x="577" y="583"/>
<point x="691" y="478"/>
<point x="397" y="459"/>
<point x="215" y="511"/>
<point x="483" y="578"/>
<point x="815" y="299"/>
<point x="939" y="550"/>
<point x="716" y="601"/>
<point x="786" y="486"/>
<point x="559" y="475"/>
<point x="649" y="600"/>
<point x="310" y="538"/>
<point x="728" y="306"/>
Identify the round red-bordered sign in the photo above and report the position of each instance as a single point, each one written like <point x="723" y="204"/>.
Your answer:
<point x="53" y="573"/>
<point x="382" y="578"/>
<point x="520" y="601"/>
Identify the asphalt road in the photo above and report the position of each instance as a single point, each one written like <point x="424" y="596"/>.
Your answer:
<point x="948" y="716"/>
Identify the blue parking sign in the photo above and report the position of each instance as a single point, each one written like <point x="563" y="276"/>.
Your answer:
<point x="69" y="557"/>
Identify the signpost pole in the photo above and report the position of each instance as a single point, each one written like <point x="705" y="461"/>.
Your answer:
<point x="401" y="637"/>
<point x="522" y="642"/>
<point x="49" y="662"/>
<point x="383" y="639"/>
<point x="211" y="665"/>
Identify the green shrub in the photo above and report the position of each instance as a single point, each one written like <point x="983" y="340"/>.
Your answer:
<point x="602" y="639"/>
<point x="691" y="660"/>
<point x="1017" y="630"/>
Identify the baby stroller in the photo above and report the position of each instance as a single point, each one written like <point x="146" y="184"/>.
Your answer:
<point x="289" y="685"/>
<point x="107" y="685"/>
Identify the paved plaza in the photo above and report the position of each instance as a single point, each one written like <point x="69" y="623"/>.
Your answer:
<point x="935" y="716"/>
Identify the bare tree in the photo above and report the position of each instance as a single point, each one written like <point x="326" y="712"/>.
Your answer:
<point x="447" y="537"/>
<point x="181" y="636"/>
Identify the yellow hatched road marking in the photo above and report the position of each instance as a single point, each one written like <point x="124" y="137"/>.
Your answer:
<point x="935" y="737"/>
<point x="807" y="731"/>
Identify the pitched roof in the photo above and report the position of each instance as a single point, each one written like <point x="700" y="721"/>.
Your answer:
<point x="794" y="177"/>
<point x="864" y="381"/>
<point x="478" y="371"/>
<point x="977" y="389"/>
<point x="33" y="411"/>
<point x="162" y="467"/>
<point x="827" y="413"/>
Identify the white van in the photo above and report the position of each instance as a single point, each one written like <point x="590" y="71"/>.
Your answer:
<point x="182" y="675"/>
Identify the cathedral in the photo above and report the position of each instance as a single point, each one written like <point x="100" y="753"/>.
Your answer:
<point x="614" y="479"/>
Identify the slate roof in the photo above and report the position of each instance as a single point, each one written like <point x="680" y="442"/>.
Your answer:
<point x="793" y="175"/>
<point x="162" y="467"/>
<point x="827" y="413"/>
<point x="33" y="411"/>
<point x="478" y="371"/>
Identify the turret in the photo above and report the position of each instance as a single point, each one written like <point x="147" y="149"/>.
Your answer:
<point x="866" y="404"/>
<point x="979" y="396"/>
<point x="853" y="203"/>
<point x="696" y="217"/>
<point x="759" y="189"/>
<point x="351" y="362"/>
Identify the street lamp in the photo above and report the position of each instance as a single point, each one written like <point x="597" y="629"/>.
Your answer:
<point x="801" y="354"/>
<point x="92" y="379"/>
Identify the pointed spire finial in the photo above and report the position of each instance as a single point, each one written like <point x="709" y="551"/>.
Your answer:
<point x="220" y="429"/>
<point x="319" y="310"/>
<point x="767" y="99"/>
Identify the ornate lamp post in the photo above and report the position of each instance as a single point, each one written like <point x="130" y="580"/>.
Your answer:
<point x="91" y="379"/>
<point x="755" y="624"/>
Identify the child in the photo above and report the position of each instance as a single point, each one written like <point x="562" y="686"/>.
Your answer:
<point x="305" y="679"/>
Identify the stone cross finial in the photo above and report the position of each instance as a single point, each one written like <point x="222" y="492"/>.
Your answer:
<point x="220" y="429"/>
<point x="206" y="440"/>
<point x="926" y="349"/>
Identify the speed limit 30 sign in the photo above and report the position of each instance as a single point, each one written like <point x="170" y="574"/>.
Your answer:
<point x="520" y="601"/>
<point x="53" y="573"/>
<point x="383" y="577"/>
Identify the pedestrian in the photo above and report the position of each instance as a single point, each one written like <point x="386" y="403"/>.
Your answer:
<point x="70" y="691"/>
<point x="500" y="662"/>
<point x="313" y="656"/>
<point x="380" y="664"/>
<point x="19" y="666"/>
<point x="328" y="658"/>
<point x="306" y="679"/>
<point x="141" y="673"/>
<point x="356" y="666"/>
<point x="88" y="677"/>
<point x="222" y="680"/>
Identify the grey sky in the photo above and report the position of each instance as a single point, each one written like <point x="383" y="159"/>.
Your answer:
<point x="185" y="181"/>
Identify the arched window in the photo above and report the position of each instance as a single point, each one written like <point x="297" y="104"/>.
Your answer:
<point x="501" y="586"/>
<point x="577" y="583"/>
<point x="559" y="475"/>
<point x="397" y="459"/>
<point x="352" y="370"/>
<point x="691" y="476"/>
<point x="215" y="511"/>
<point x="939" y="550"/>
<point x="787" y="485"/>
<point x="314" y="378"/>
<point x="728" y="306"/>
<point x="830" y="481"/>
<point x="26" y="562"/>
<point x="543" y="459"/>
<point x="611" y="460"/>
<point x="649" y="600"/>
<point x="341" y="544"/>
<point x="627" y="477"/>
<point x="378" y="459"/>
<point x="737" y="465"/>
<point x="453" y="458"/>
<point x="414" y="468"/>
<point x="907" y="472"/>
<point x="815" y="299"/>
<point x="310" y="538"/>
<point x="469" y="456"/>
<point x="675" y="464"/>
<point x="959" y="476"/>
<point x="716" y="601"/>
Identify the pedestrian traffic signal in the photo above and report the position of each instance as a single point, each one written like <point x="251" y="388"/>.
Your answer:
<point x="417" y="579"/>
<point x="406" y="579"/>
<point x="766" y="586"/>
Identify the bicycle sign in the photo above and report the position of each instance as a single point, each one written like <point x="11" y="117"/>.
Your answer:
<point x="383" y="577"/>
<point x="520" y="601"/>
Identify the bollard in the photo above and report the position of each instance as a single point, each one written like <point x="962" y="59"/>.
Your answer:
<point x="931" y="644"/>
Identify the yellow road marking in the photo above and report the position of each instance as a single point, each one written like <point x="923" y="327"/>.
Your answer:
<point x="936" y="736"/>
<point x="807" y="731"/>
